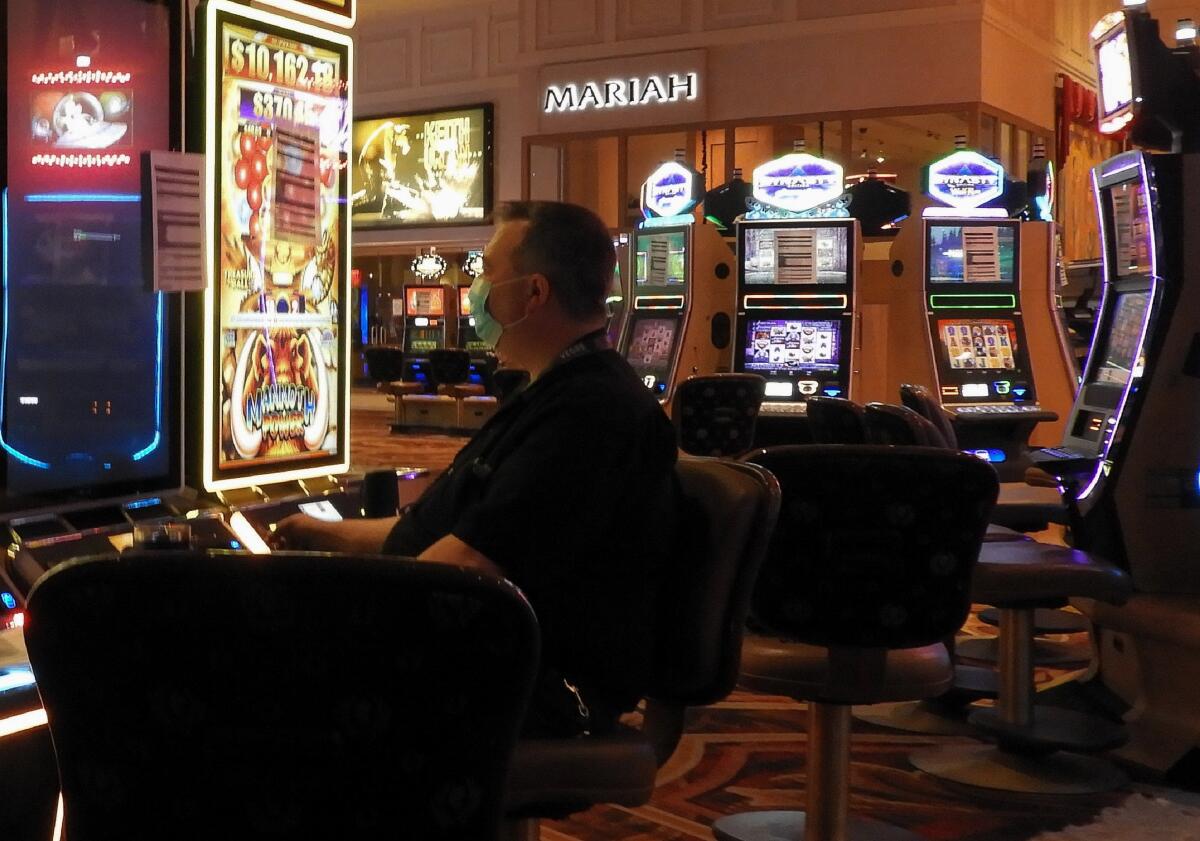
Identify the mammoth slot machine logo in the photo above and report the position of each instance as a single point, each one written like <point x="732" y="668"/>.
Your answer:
<point x="283" y="137"/>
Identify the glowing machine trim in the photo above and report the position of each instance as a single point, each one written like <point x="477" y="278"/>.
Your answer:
<point x="317" y="11"/>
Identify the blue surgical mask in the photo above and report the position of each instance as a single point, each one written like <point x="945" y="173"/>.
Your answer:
<point x="487" y="327"/>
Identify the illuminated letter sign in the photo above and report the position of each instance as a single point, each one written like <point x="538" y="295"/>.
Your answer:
<point x="966" y="180"/>
<point x="621" y="93"/>
<point x="669" y="191"/>
<point x="798" y="182"/>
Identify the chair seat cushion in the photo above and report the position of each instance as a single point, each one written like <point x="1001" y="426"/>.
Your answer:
<point x="1000" y="533"/>
<point x="845" y="676"/>
<point x="1025" y="507"/>
<point x="1027" y="573"/>
<point x="619" y="769"/>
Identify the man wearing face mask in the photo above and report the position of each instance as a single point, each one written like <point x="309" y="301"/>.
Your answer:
<point x="569" y="490"/>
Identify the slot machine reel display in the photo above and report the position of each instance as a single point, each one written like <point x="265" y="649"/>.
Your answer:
<point x="278" y="140"/>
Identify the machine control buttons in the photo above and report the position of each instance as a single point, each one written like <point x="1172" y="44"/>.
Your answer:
<point x="807" y="387"/>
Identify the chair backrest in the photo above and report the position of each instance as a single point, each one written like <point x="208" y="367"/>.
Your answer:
<point x="729" y="512"/>
<point x="715" y="415"/>
<point x="921" y="400"/>
<point x="449" y="366"/>
<point x="835" y="420"/>
<point x="900" y="426"/>
<point x="874" y="546"/>
<point x="211" y="695"/>
<point x="508" y="381"/>
<point x="385" y="364"/>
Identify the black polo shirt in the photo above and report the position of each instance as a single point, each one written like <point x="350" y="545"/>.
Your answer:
<point x="570" y="489"/>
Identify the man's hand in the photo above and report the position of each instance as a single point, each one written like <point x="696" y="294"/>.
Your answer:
<point x="302" y="532"/>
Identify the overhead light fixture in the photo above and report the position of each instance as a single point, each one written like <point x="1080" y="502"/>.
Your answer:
<point x="1131" y="3"/>
<point x="83" y="61"/>
<point x="1185" y="32"/>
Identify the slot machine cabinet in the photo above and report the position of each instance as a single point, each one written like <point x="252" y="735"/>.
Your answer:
<point x="424" y="328"/>
<point x="679" y="318"/>
<point x="619" y="296"/>
<point x="799" y="257"/>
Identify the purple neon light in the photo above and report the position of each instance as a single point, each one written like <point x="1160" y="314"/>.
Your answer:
<point x="1154" y="279"/>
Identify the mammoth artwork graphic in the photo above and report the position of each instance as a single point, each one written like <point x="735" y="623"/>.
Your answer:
<point x="281" y="155"/>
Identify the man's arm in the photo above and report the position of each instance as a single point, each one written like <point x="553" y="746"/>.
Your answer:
<point x="451" y="550"/>
<point x="300" y="531"/>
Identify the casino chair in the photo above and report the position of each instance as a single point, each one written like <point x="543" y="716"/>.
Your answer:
<point x="867" y="572"/>
<point x="729" y="516"/>
<point x="835" y="420"/>
<point x="201" y="695"/>
<point x="385" y="363"/>
<point x="1019" y="506"/>
<point x="715" y="414"/>
<point x="1025" y="506"/>
<point x="458" y="403"/>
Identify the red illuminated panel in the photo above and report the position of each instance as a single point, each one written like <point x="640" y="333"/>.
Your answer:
<point x="464" y="300"/>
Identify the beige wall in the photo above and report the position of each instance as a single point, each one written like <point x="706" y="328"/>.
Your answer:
<point x="765" y="58"/>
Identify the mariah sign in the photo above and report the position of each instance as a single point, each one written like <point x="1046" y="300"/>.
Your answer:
<point x="622" y="93"/>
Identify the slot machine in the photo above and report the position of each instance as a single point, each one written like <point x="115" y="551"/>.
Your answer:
<point x="977" y="267"/>
<point x="678" y="321"/>
<point x="468" y="339"/>
<point x="424" y="329"/>
<point x="1129" y="456"/>
<point x="798" y="257"/>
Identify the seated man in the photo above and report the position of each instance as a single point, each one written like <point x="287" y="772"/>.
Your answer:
<point x="568" y="491"/>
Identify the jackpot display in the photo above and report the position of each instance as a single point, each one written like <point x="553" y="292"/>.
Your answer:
<point x="89" y="358"/>
<point x="278" y="102"/>
<point x="432" y="168"/>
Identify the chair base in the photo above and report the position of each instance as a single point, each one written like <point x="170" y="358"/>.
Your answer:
<point x="990" y="767"/>
<point x="929" y="717"/>
<point x="1052" y="729"/>
<point x="789" y="826"/>
<point x="1045" y="652"/>
<point x="1046" y="620"/>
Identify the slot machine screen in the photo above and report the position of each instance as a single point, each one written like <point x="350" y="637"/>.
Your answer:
<point x="795" y="255"/>
<point x="780" y="346"/>
<point x="972" y="253"/>
<point x="277" y="145"/>
<point x="424" y="301"/>
<point x="468" y="338"/>
<point x="89" y="391"/>
<point x="1128" y="207"/>
<point x="1120" y="357"/>
<point x="983" y="344"/>
<point x="464" y="301"/>
<point x="651" y="349"/>
<point x="661" y="258"/>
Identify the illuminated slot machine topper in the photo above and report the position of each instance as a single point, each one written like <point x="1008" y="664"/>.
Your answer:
<point x="89" y="356"/>
<point x="424" y="318"/>
<point x="277" y="96"/>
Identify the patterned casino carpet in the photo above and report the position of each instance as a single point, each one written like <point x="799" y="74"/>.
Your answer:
<point x="749" y="751"/>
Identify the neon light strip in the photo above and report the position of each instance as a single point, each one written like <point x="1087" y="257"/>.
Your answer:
<point x="839" y="302"/>
<point x="965" y="213"/>
<point x="943" y="302"/>
<point x="71" y="198"/>
<point x="82" y="77"/>
<point x="658" y="302"/>
<point x="19" y="456"/>
<point x="58" y="820"/>
<point x="1150" y="309"/>
<point x="211" y="77"/>
<point x="15" y="679"/>
<point x="158" y="388"/>
<point x="81" y="161"/>
<point x="22" y="722"/>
